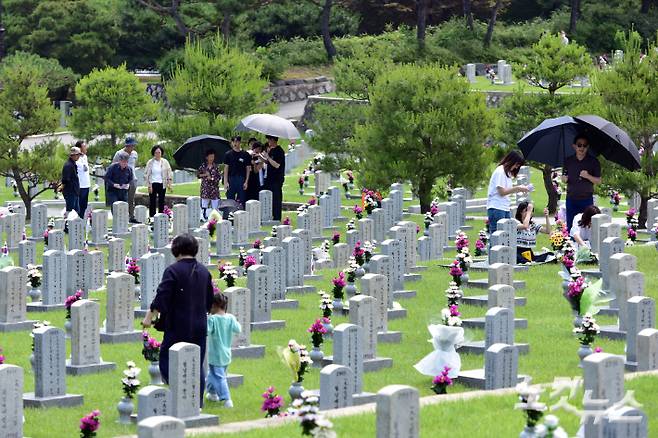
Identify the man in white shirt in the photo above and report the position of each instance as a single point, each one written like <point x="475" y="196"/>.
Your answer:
<point x="129" y="148"/>
<point x="83" y="177"/>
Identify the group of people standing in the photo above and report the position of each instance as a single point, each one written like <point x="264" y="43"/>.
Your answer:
<point x="245" y="174"/>
<point x="581" y="172"/>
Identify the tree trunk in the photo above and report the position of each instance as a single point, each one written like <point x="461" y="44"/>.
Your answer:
<point x="421" y="23"/>
<point x="550" y="191"/>
<point x="646" y="4"/>
<point x="575" y="13"/>
<point x="468" y="14"/>
<point x="226" y="26"/>
<point x="25" y="195"/>
<point x="326" y="34"/>
<point x="424" y="191"/>
<point x="642" y="219"/>
<point x="492" y="23"/>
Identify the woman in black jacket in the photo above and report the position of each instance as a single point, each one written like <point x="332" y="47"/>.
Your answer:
<point x="183" y="299"/>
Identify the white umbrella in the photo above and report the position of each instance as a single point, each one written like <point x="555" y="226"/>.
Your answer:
<point x="269" y="124"/>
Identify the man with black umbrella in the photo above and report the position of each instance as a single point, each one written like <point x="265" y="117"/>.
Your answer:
<point x="581" y="172"/>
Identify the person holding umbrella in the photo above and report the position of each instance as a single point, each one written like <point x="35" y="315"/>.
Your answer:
<point x="500" y="187"/>
<point x="210" y="176"/>
<point x="275" y="160"/>
<point x="581" y="172"/>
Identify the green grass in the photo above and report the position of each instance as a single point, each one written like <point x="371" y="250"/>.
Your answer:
<point x="552" y="353"/>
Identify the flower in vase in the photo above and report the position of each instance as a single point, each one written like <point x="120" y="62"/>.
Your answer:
<point x="442" y="381"/>
<point x="453" y="293"/>
<point x="450" y="316"/>
<point x="312" y="201"/>
<point x="34" y="276"/>
<point x="317" y="331"/>
<point x="257" y="244"/>
<point x="130" y="381"/>
<point x="250" y="261"/>
<point x="335" y="238"/>
<point x="150" y="347"/>
<point x="358" y="212"/>
<point x="358" y="253"/>
<point x="587" y="330"/>
<point x="339" y="283"/>
<point x="272" y="403"/>
<point x="325" y="304"/>
<point x="461" y="241"/>
<point x="77" y="296"/>
<point x="132" y="268"/>
<point x="286" y="221"/>
<point x="89" y="424"/>
<point x="456" y="270"/>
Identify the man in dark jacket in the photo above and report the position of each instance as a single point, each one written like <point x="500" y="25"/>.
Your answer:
<point x="118" y="178"/>
<point x="275" y="160"/>
<point x="70" y="183"/>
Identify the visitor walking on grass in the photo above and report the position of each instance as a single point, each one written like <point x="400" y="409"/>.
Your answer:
<point x="275" y="162"/>
<point x="500" y="187"/>
<point x="83" y="177"/>
<point x="581" y="172"/>
<point x="210" y="176"/>
<point x="237" y="165"/>
<point x="129" y="147"/>
<point x="70" y="182"/>
<point x="183" y="300"/>
<point x="221" y="328"/>
<point x="159" y="178"/>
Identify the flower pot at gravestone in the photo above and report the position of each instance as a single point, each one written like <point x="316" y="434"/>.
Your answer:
<point x="316" y="356"/>
<point x="32" y="360"/>
<point x="338" y="305"/>
<point x="578" y="319"/>
<point x="464" y="278"/>
<point x="138" y="292"/>
<point x="350" y="289"/>
<point x="583" y="352"/>
<point x="35" y="294"/>
<point x="67" y="327"/>
<point x="533" y="431"/>
<point x="154" y="372"/>
<point x="125" y="408"/>
<point x="295" y="390"/>
<point x="366" y="268"/>
<point x="327" y="325"/>
<point x="360" y="272"/>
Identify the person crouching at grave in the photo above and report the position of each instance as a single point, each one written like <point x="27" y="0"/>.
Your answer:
<point x="118" y="178"/>
<point x="526" y="235"/>
<point x="581" y="228"/>
<point x="182" y="302"/>
<point x="221" y="327"/>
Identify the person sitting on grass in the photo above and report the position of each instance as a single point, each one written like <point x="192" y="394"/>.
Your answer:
<point x="581" y="229"/>
<point x="526" y="234"/>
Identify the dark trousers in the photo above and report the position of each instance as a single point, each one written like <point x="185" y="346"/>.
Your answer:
<point x="236" y="189"/>
<point x="83" y="201"/>
<point x="277" y="201"/>
<point x="164" y="361"/>
<point x="114" y="195"/>
<point x="72" y="202"/>
<point x="576" y="206"/>
<point x="157" y="194"/>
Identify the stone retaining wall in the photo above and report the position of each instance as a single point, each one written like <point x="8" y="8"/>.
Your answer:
<point x="292" y="90"/>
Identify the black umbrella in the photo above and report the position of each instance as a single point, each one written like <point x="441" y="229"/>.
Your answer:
<point x="550" y="142"/>
<point x="193" y="152"/>
<point x="610" y="140"/>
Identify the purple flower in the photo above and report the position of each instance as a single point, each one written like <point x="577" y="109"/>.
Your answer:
<point x="250" y="261"/>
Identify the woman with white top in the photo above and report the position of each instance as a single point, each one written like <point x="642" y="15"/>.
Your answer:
<point x="83" y="178"/>
<point x="159" y="177"/>
<point x="581" y="229"/>
<point x="500" y="187"/>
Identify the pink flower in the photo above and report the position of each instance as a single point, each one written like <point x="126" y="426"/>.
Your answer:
<point x="454" y="310"/>
<point x="257" y="244"/>
<point x="576" y="287"/>
<point x="90" y="423"/>
<point x="434" y="209"/>
<point x="417" y="229"/>
<point x="631" y="212"/>
<point x="455" y="269"/>
<point x="340" y="280"/>
<point x="286" y="221"/>
<point x="317" y="327"/>
<point x="479" y="244"/>
<point x="335" y="238"/>
<point x="250" y="261"/>
<point x="598" y="350"/>
<point x="312" y="201"/>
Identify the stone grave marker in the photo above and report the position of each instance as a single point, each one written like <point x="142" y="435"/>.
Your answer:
<point x="336" y="387"/>
<point x="116" y="259"/>
<point x="152" y="267"/>
<point x="39" y="221"/>
<point x="603" y="383"/>
<point x="76" y="234"/>
<point x="180" y="219"/>
<point x="377" y="286"/>
<point x="351" y="237"/>
<point x="153" y="401"/>
<point x="340" y="255"/>
<point x="436" y="241"/>
<point x="378" y="224"/>
<point x="398" y="204"/>
<point x="424" y="248"/>
<point x="641" y="312"/>
<point x="275" y="258"/>
<point x="303" y="221"/>
<point x="389" y="215"/>
<point x="259" y="283"/>
<point x="240" y="228"/>
<point x="203" y="254"/>
<point x="193" y="204"/>
<point x="120" y="218"/>
<point x="56" y="240"/>
<point x="393" y="249"/>
<point x="54" y="282"/>
<point x="647" y="350"/>
<point x="499" y="326"/>
<point x="625" y="422"/>
<point x="441" y="219"/>
<point x="617" y="264"/>
<point x="609" y="247"/>
<point x="14" y="224"/>
<point x="283" y="231"/>
<point x="502" y="254"/>
<point x="629" y="284"/>
<point x="13" y="306"/>
<point x="49" y="371"/>
<point x="184" y="383"/>
<point x="294" y="250"/>
<point x="27" y="253"/>
<point x="409" y="245"/>
<point x="139" y="240"/>
<point x="11" y="402"/>
<point x="501" y="366"/>
<point x="253" y="211"/>
<point x="460" y="210"/>
<point x="95" y="270"/>
<point x="315" y="221"/>
<point x="160" y="230"/>
<point x="366" y="229"/>
<point x="120" y="318"/>
<point x="509" y="225"/>
<point x="595" y="240"/>
<point x="224" y="239"/>
<point x="362" y="313"/>
<point x="326" y="211"/>
<point x="334" y="192"/>
<point x="141" y="213"/>
<point x="85" y="340"/>
<point x="75" y="272"/>
<point x="348" y="351"/>
<point x="265" y="198"/>
<point x="239" y="304"/>
<point x="307" y="244"/>
<point x="321" y="180"/>
<point x="398" y="412"/>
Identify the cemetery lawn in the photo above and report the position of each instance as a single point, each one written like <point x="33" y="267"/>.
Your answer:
<point x="552" y="353"/>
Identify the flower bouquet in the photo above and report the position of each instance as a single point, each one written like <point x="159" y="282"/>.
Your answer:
<point x="464" y="259"/>
<point x="615" y="198"/>
<point x="454" y="294"/>
<point x="242" y="255"/>
<point x="129" y="381"/>
<point x="631" y="220"/>
<point x="335" y="238"/>
<point x="480" y="247"/>
<point x="317" y="332"/>
<point x="428" y="219"/>
<point x="34" y="276"/>
<point x="631" y="236"/>
<point x="306" y="177"/>
<point x="369" y="250"/>
<point x="370" y="200"/>
<point x="441" y="382"/>
<point x="456" y="272"/>
<point x="312" y="201"/>
<point x="168" y="211"/>
<point x="358" y="212"/>
<point x="257" y="244"/>
<point x="450" y="316"/>
<point x="133" y="268"/>
<point x="350" y="225"/>
<point x="274" y="231"/>
<point x="325" y="304"/>
<point x="530" y="404"/>
<point x="272" y="404"/>
<point x="211" y="225"/>
<point x="228" y="273"/>
<point x="37" y="325"/>
<point x="89" y="424"/>
<point x="461" y="241"/>
<point x="150" y="348"/>
<point x="249" y="261"/>
<point x="286" y="221"/>
<point x="339" y="284"/>
<point x="2" y="357"/>
<point x="588" y="330"/>
<point x="350" y="271"/>
<point x="69" y="302"/>
<point x="359" y="254"/>
<point x="300" y="181"/>
<point x="434" y="207"/>
<point x="313" y="423"/>
<point x="296" y="358"/>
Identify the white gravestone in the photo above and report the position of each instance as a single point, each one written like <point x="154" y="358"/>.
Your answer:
<point x="253" y="210"/>
<point x="336" y="387"/>
<point x="641" y="313"/>
<point x="240" y="228"/>
<point x="180" y="219"/>
<point x="239" y="304"/>
<point x="85" y="340"/>
<point x="139" y="240"/>
<point x="75" y="272"/>
<point x="259" y="283"/>
<point x="265" y="198"/>
<point x="153" y="401"/>
<point x="152" y="267"/>
<point x="348" y="351"/>
<point x="13" y="305"/>
<point x="398" y="412"/>
<point x="224" y="239"/>
<point x="54" y="278"/>
<point x="647" y="350"/>
<point x="11" y="402"/>
<point x="160" y="230"/>
<point x="120" y="218"/>
<point x="501" y="366"/>
<point x="27" y="254"/>
<point x="193" y="204"/>
<point x="39" y="220"/>
<point x="76" y="234"/>
<point x="116" y="258"/>
<point x="393" y="249"/>
<point x="120" y="317"/>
